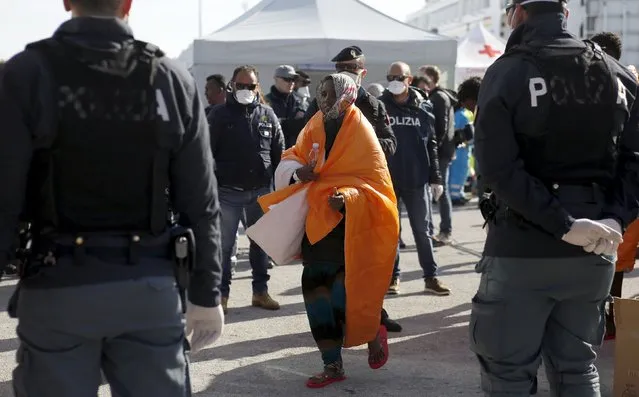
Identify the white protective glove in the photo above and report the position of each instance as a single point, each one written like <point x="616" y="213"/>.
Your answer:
<point x="206" y="324"/>
<point x="436" y="191"/>
<point x="606" y="247"/>
<point x="585" y="232"/>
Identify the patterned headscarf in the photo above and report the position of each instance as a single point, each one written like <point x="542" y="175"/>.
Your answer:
<point x="345" y="92"/>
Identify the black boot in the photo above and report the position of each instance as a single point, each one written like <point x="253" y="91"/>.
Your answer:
<point x="391" y="325"/>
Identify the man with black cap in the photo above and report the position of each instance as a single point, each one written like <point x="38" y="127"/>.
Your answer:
<point x="557" y="143"/>
<point x="350" y="61"/>
<point x="286" y="105"/>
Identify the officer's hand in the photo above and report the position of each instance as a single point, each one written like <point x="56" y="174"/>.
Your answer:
<point x="307" y="173"/>
<point x="206" y="324"/>
<point x="436" y="191"/>
<point x="585" y="232"/>
<point x="336" y="200"/>
<point x="604" y="246"/>
<point x="299" y="115"/>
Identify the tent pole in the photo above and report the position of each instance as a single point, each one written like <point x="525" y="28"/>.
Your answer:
<point x="199" y="18"/>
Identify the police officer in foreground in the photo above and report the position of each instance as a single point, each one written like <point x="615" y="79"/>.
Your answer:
<point x="351" y="61"/>
<point x="96" y="127"/>
<point x="557" y="142"/>
<point x="247" y="144"/>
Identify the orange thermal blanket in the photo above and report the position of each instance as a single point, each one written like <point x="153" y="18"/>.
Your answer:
<point x="356" y="166"/>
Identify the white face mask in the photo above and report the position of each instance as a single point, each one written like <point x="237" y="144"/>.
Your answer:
<point x="355" y="76"/>
<point x="245" y="97"/>
<point x="396" y="87"/>
<point x="304" y="91"/>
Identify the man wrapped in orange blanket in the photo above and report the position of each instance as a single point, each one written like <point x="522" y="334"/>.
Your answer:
<point x="352" y="227"/>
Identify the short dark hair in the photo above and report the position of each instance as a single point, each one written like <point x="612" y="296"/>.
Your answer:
<point x="247" y="69"/>
<point x="218" y="79"/>
<point x="469" y="89"/>
<point x="609" y="42"/>
<point x="100" y="7"/>
<point x="417" y="80"/>
<point x="433" y="72"/>
<point x="544" y="7"/>
<point x="303" y="78"/>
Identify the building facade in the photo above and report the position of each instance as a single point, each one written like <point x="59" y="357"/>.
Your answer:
<point x="456" y="18"/>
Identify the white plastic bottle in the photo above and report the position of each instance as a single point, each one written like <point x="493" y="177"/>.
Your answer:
<point x="313" y="156"/>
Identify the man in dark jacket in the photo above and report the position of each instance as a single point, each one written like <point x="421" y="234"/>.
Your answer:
<point x="215" y="91"/>
<point x="247" y="144"/>
<point x="285" y="104"/>
<point x="95" y="127"/>
<point x="557" y="139"/>
<point x="444" y="102"/>
<point x="414" y="167"/>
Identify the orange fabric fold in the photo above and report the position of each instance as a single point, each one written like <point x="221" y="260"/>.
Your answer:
<point x="357" y="167"/>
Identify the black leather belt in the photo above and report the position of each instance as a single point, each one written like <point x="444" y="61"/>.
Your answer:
<point x="115" y="252"/>
<point x="130" y="247"/>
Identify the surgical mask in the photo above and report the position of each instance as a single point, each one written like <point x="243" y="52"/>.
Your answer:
<point x="396" y="87"/>
<point x="245" y="97"/>
<point x="304" y="91"/>
<point x="355" y="76"/>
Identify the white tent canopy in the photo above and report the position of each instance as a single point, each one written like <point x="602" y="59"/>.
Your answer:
<point x="476" y="52"/>
<point x="309" y="33"/>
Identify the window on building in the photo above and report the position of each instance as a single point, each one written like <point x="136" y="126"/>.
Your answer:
<point x="590" y="23"/>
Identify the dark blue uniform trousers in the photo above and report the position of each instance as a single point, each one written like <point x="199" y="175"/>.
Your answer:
<point x="132" y="331"/>
<point x="526" y="309"/>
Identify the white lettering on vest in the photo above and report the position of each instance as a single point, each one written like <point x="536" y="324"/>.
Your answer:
<point x="163" y="111"/>
<point x="405" y="120"/>
<point x="621" y="93"/>
<point x="537" y="87"/>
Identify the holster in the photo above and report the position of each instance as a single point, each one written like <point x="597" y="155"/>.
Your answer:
<point x="183" y="252"/>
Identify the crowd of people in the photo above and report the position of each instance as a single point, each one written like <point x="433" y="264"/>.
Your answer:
<point x="557" y="177"/>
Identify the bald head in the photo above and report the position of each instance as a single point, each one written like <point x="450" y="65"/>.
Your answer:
<point x="399" y="69"/>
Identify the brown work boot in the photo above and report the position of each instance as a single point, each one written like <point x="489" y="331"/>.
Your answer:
<point x="434" y="286"/>
<point x="225" y="304"/>
<point x="265" y="302"/>
<point x="394" y="287"/>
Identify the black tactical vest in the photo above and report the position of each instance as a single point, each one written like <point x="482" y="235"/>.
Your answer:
<point x="104" y="169"/>
<point x="579" y="144"/>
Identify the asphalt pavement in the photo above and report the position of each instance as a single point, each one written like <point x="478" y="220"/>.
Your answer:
<point x="266" y="353"/>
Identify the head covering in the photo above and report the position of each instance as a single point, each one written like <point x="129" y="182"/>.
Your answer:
<point x="351" y="53"/>
<point x="286" y="72"/>
<point x="345" y="92"/>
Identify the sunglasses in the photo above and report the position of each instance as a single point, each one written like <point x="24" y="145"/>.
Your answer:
<point x="390" y="78"/>
<point x="242" y="86"/>
<point x="288" y="79"/>
<point x="347" y="67"/>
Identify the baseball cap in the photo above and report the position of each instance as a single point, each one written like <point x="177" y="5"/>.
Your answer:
<point x="285" y="71"/>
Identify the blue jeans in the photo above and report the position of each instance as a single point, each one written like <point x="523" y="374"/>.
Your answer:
<point x="417" y="203"/>
<point x="445" y="202"/>
<point x="234" y="204"/>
